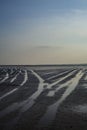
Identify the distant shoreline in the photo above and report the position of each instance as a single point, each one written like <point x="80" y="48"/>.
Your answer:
<point x="45" y="65"/>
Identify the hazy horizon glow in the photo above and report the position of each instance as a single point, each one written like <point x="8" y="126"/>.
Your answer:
<point x="43" y="31"/>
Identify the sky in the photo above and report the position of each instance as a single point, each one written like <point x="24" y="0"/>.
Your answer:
<point x="43" y="32"/>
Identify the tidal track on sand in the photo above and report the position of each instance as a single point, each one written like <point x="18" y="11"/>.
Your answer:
<point x="36" y="95"/>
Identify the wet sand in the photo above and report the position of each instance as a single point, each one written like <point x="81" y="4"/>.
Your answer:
<point x="43" y="99"/>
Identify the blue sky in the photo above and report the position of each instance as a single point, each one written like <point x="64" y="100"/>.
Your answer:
<point x="43" y="31"/>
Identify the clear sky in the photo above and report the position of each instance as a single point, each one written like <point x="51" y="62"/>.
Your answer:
<point x="43" y="31"/>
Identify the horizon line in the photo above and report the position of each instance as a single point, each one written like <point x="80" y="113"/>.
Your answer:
<point x="42" y="64"/>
